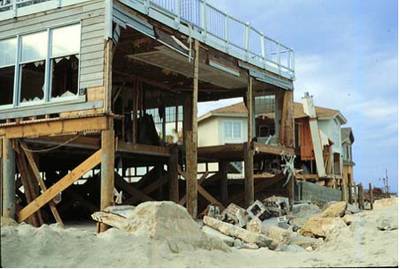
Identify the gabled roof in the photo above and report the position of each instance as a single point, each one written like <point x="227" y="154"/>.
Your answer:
<point x="240" y="110"/>
<point x="347" y="135"/>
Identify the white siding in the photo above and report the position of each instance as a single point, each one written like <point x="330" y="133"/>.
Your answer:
<point x="208" y="132"/>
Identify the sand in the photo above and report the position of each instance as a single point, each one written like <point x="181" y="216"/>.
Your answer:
<point x="360" y="244"/>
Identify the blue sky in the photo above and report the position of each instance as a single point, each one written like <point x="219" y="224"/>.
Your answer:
<point x="346" y="57"/>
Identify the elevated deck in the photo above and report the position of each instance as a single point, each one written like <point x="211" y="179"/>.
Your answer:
<point x="195" y="18"/>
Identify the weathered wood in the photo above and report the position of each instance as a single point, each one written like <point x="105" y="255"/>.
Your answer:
<point x="360" y="196"/>
<point x="34" y="219"/>
<point x="223" y="172"/>
<point x="54" y="127"/>
<point x="249" y="174"/>
<point x="60" y="186"/>
<point x="290" y="188"/>
<point x="235" y="231"/>
<point x="8" y="178"/>
<point x="108" y="59"/>
<point x="36" y="174"/>
<point x="273" y="149"/>
<point x="287" y="121"/>
<point x="173" y="175"/>
<point x="107" y="170"/>
<point x="191" y="140"/>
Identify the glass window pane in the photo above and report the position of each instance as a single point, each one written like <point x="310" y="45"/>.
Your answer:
<point x="32" y="81"/>
<point x="236" y="130"/>
<point x="228" y="129"/>
<point x="8" y="48"/>
<point x="6" y="85"/>
<point x="34" y="47"/>
<point x="66" y="40"/>
<point x="64" y="76"/>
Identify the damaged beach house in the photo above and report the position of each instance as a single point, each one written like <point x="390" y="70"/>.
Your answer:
<point x="98" y="105"/>
<point x="323" y="148"/>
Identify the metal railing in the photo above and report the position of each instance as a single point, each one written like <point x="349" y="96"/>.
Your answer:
<point x="237" y="35"/>
<point x="233" y="35"/>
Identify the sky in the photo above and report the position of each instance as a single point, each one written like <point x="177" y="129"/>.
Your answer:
<point x="346" y="57"/>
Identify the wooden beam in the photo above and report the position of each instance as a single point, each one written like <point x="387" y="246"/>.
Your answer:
<point x="60" y="186"/>
<point x="272" y="149"/>
<point x="191" y="141"/>
<point x="36" y="174"/>
<point x="53" y="128"/>
<point x="143" y="149"/>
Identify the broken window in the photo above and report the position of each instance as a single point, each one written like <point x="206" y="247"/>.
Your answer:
<point x="65" y="61"/>
<point x="32" y="67"/>
<point x="7" y="70"/>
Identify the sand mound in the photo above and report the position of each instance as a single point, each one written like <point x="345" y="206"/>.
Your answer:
<point x="386" y="202"/>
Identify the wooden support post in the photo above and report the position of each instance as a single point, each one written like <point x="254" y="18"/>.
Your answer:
<point x="249" y="174"/>
<point x="36" y="175"/>
<point x="173" y="175"/>
<point x="249" y="148"/>
<point x="360" y="196"/>
<point x="223" y="171"/>
<point x="107" y="170"/>
<point x="191" y="140"/>
<point x="290" y="187"/>
<point x="8" y="184"/>
<point x="287" y="121"/>
<point x="371" y="196"/>
<point x="350" y="193"/>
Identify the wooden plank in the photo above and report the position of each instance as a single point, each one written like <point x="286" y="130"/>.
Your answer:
<point x="54" y="127"/>
<point x="309" y="109"/>
<point x="7" y="175"/>
<point x="36" y="174"/>
<point x="287" y="122"/>
<point x="60" y="186"/>
<point x="143" y="149"/>
<point x="272" y="149"/>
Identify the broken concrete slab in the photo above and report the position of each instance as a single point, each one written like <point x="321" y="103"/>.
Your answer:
<point x="305" y="242"/>
<point x="322" y="226"/>
<point x="255" y="226"/>
<point x="278" y="234"/>
<point x="235" y="231"/>
<point x="336" y="209"/>
<point x="216" y="234"/>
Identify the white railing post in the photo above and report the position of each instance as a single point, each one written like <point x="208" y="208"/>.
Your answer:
<point x="279" y="58"/>
<point x="226" y="31"/>
<point x="246" y="39"/>
<point x="146" y="6"/>
<point x="178" y="12"/>
<point x="14" y="7"/>
<point x="262" y="40"/>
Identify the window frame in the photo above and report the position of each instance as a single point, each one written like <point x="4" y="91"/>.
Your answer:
<point x="17" y="103"/>
<point x="232" y="129"/>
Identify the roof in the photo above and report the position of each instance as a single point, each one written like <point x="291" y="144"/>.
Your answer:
<point x="347" y="135"/>
<point x="240" y="110"/>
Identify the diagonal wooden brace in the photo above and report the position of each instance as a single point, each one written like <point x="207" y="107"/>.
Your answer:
<point x="60" y="186"/>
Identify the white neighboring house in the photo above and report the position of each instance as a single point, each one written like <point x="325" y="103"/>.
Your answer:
<point x="223" y="126"/>
<point x="229" y="125"/>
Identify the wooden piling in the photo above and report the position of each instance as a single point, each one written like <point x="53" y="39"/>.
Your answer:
<point x="191" y="139"/>
<point x="173" y="175"/>
<point x="360" y="196"/>
<point x="371" y="196"/>
<point x="8" y="184"/>
<point x="248" y="150"/>
<point x="107" y="169"/>
<point x="223" y="171"/>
